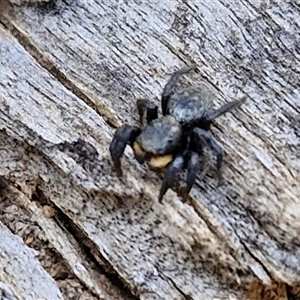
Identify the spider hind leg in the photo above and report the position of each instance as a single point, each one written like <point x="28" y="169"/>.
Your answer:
<point x="169" y="87"/>
<point x="225" y="108"/>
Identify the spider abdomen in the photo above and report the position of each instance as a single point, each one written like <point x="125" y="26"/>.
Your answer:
<point x="190" y="104"/>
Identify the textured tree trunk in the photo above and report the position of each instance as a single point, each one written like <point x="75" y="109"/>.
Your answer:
<point x="70" y="74"/>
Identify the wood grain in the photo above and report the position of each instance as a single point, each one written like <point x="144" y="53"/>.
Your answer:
<point x="82" y="68"/>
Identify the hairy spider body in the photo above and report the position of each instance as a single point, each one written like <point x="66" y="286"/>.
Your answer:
<point x="190" y="105"/>
<point x="161" y="136"/>
<point x="158" y="141"/>
<point x="174" y="141"/>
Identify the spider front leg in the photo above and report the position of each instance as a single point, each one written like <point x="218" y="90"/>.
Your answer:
<point x="171" y="175"/>
<point x="193" y="166"/>
<point x="125" y="135"/>
<point x="198" y="136"/>
<point x="168" y="89"/>
<point x="192" y="162"/>
<point x="148" y="108"/>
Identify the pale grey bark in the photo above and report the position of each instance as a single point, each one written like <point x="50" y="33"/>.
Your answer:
<point x="21" y="275"/>
<point x="89" y="63"/>
<point x="5" y="292"/>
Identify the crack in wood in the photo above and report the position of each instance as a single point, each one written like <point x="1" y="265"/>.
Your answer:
<point x="185" y="296"/>
<point x="92" y="259"/>
<point x="88" y="249"/>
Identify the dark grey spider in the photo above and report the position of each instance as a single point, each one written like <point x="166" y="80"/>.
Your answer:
<point x="174" y="141"/>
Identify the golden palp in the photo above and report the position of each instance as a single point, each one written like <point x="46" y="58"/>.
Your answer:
<point x="159" y="162"/>
<point x="138" y="149"/>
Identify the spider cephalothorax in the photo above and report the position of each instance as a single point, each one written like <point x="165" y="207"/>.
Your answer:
<point x="174" y="141"/>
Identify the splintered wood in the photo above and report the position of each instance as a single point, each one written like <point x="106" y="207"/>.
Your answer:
<point x="71" y="72"/>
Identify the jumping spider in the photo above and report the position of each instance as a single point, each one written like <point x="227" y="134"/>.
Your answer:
<point x="176" y="139"/>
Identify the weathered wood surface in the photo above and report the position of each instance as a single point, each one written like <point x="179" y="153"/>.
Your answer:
<point x="19" y="264"/>
<point x="82" y="68"/>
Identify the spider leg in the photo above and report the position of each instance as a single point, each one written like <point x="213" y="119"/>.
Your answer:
<point x="225" y="108"/>
<point x="168" y="89"/>
<point x="193" y="166"/>
<point x="148" y="108"/>
<point x="172" y="171"/>
<point x="199" y="135"/>
<point x="124" y="135"/>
